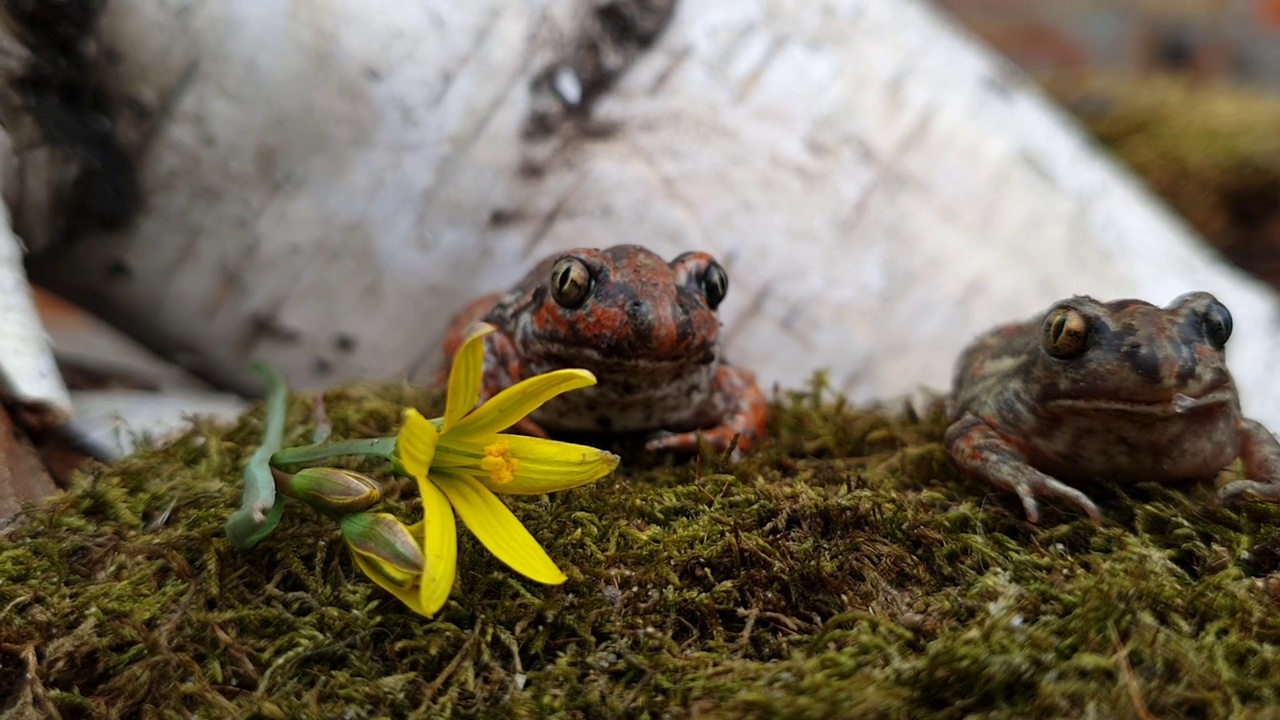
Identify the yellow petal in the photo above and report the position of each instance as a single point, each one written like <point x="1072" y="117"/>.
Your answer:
<point x="509" y="406"/>
<point x="543" y="466"/>
<point x="466" y="375"/>
<point x="407" y="595"/>
<point x="439" y="546"/>
<point x="494" y="526"/>
<point x="416" y="444"/>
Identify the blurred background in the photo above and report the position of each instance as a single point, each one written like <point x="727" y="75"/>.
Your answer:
<point x="1216" y="40"/>
<point x="1185" y="93"/>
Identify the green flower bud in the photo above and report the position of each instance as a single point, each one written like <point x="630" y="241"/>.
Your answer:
<point x="333" y="490"/>
<point x="385" y="545"/>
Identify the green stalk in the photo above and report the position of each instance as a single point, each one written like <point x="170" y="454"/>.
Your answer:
<point x="381" y="447"/>
<point x="260" y="507"/>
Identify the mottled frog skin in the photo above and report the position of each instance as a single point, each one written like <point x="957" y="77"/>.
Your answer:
<point x="1120" y="392"/>
<point x="647" y="328"/>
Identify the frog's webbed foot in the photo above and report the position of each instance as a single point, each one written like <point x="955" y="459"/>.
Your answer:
<point x="1260" y="452"/>
<point x="981" y="451"/>
<point x="741" y="406"/>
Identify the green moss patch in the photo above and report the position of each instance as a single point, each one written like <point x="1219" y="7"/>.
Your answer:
<point x="847" y="570"/>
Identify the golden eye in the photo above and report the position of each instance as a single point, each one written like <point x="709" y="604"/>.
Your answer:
<point x="1066" y="333"/>
<point x="570" y="282"/>
<point x="715" y="284"/>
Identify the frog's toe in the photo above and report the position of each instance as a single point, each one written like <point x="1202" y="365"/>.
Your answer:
<point x="1245" y="490"/>
<point x="662" y="440"/>
<point x="1029" y="505"/>
<point x="1044" y="486"/>
<point x="685" y="442"/>
<point x="719" y="439"/>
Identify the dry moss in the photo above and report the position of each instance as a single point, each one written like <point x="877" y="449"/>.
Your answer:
<point x="845" y="571"/>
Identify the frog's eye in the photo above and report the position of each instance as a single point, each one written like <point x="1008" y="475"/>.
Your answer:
<point x="1066" y="333"/>
<point x="570" y="282"/>
<point x="715" y="284"/>
<point x="1217" y="324"/>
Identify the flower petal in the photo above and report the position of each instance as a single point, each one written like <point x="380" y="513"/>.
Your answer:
<point x="494" y="526"/>
<point x="466" y="375"/>
<point x="416" y="444"/>
<point x="507" y="407"/>
<point x="543" y="466"/>
<point x="407" y="595"/>
<point x="439" y="546"/>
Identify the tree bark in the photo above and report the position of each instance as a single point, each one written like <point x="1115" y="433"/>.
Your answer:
<point x="324" y="185"/>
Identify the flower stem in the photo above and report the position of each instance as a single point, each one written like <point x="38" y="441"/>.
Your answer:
<point x="381" y="447"/>
<point x="260" y="507"/>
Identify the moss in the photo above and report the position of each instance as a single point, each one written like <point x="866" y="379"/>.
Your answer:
<point x="847" y="570"/>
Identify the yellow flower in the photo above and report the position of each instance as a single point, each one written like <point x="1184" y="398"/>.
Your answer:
<point x="462" y="459"/>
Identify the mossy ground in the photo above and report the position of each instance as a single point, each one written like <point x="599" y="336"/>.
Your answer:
<point x="847" y="570"/>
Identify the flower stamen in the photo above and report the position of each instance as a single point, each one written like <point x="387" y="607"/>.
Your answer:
<point x="500" y="463"/>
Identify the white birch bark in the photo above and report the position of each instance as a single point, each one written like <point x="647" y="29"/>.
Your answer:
<point x="326" y="183"/>
<point x="28" y="373"/>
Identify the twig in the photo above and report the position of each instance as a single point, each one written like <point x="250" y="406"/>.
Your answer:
<point x="745" y="638"/>
<point x="449" y="669"/>
<point x="1131" y="683"/>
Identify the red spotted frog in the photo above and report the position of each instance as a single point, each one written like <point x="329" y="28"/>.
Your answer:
<point x="646" y="328"/>
<point x="1121" y="391"/>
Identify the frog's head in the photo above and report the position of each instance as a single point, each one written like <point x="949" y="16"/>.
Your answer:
<point x="624" y="307"/>
<point x="1131" y="356"/>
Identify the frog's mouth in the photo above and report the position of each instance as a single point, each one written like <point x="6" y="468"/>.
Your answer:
<point x="593" y="359"/>
<point x="1179" y="404"/>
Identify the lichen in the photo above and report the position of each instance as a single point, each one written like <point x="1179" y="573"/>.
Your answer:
<point x="846" y="570"/>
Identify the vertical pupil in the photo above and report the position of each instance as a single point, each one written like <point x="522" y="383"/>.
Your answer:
<point x="1059" y="326"/>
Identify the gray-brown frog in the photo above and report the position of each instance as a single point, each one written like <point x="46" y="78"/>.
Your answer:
<point x="1121" y="392"/>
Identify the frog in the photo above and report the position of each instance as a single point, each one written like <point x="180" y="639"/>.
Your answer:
<point x="1119" y="392"/>
<point x="647" y="329"/>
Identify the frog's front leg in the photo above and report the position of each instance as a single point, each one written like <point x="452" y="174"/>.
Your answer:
<point x="981" y="451"/>
<point x="741" y="409"/>
<point x="1260" y="453"/>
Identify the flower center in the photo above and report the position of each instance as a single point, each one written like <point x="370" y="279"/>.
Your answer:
<point x="498" y="461"/>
